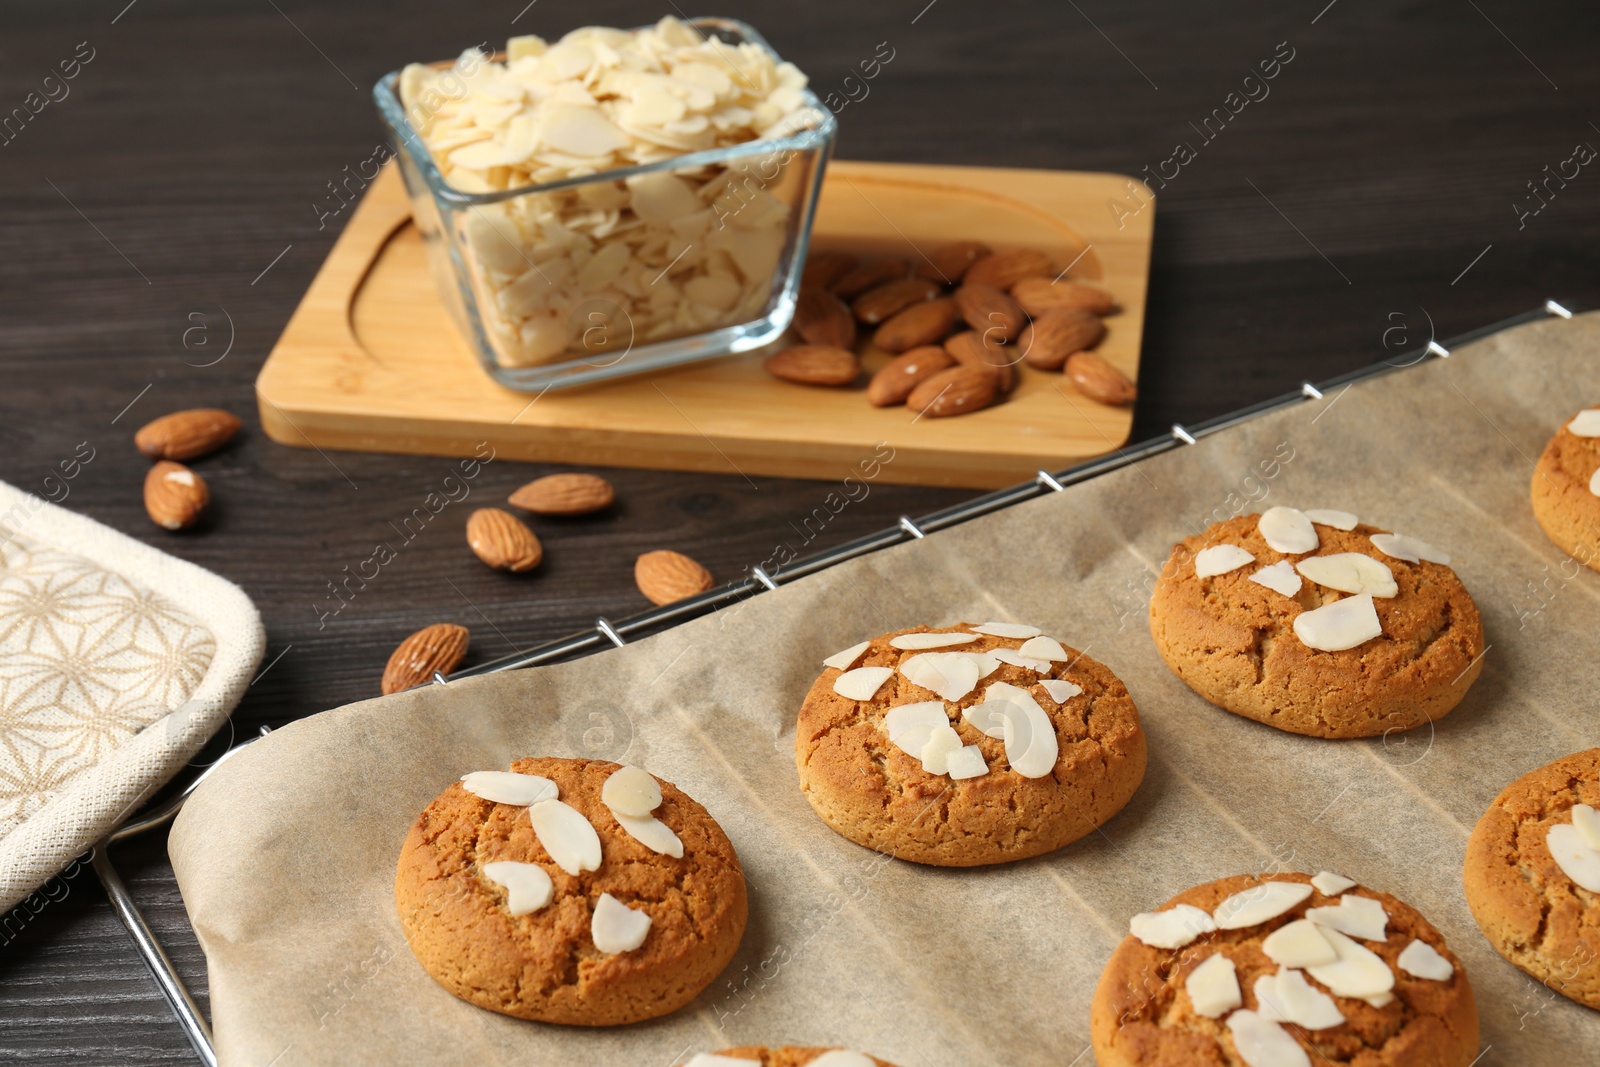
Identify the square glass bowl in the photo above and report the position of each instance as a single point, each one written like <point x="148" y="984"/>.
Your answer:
<point x="546" y="309"/>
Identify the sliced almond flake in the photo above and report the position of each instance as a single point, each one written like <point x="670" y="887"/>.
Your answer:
<point x="1298" y="944"/>
<point x="862" y="683"/>
<point x="911" y="725"/>
<point x="1259" y="904"/>
<point x="1339" y="520"/>
<point x="566" y="835"/>
<point x="1016" y="659"/>
<point x="1340" y="625"/>
<point x="1587" y="820"/>
<point x="528" y="887"/>
<point x="631" y="791"/>
<point x="1267" y="1003"/>
<point x="651" y="832"/>
<point x="966" y="762"/>
<point x="1261" y="1042"/>
<point x="1302" y="1004"/>
<point x="1009" y="630"/>
<point x="847" y="659"/>
<point x="1043" y="648"/>
<point x="508" y="787"/>
<point x="1060" y="689"/>
<point x="1280" y="578"/>
<point x="1421" y="960"/>
<point x="931" y="640"/>
<point x="1287" y="530"/>
<point x="1360" y="917"/>
<point x="1220" y="559"/>
<point x="942" y="741"/>
<point x="1213" y="987"/>
<point x="842" y="1058"/>
<point x="1350" y="572"/>
<point x="1594" y="482"/>
<point x="1330" y="884"/>
<point x="1172" y="927"/>
<point x="615" y="927"/>
<point x="1358" y="972"/>
<point x="1586" y="423"/>
<point x="1410" y="549"/>
<point x="1382" y="1000"/>
<point x="952" y="675"/>
<point x="1028" y="733"/>
<point x="1574" y="856"/>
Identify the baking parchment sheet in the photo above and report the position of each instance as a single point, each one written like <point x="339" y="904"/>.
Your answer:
<point x="286" y="856"/>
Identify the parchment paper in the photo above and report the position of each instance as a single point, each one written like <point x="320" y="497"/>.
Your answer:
<point x="286" y="857"/>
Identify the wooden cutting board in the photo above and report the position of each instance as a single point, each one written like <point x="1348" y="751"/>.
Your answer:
<point x="371" y="361"/>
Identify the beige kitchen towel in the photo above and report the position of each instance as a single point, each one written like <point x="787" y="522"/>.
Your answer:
<point x="117" y="662"/>
<point x="286" y="857"/>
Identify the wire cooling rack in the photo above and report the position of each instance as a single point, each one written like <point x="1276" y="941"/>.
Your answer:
<point x="608" y="634"/>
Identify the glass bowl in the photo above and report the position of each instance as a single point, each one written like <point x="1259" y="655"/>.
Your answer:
<point x="545" y="309"/>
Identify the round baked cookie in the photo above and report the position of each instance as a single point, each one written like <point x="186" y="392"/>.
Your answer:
<point x="1566" y="488"/>
<point x="578" y="920"/>
<point x="1223" y="974"/>
<point x="959" y="747"/>
<point x="1327" y="660"/>
<point x="1532" y="875"/>
<point x="787" y="1056"/>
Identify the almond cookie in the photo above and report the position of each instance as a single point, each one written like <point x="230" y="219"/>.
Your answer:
<point x="787" y="1056"/>
<point x="967" y="746"/>
<point x="1318" y="624"/>
<point x="1283" y="970"/>
<point x="1566" y="488"/>
<point x="1532" y="875"/>
<point x="570" y="891"/>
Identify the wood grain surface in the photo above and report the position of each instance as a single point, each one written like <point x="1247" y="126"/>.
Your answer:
<point x="179" y="198"/>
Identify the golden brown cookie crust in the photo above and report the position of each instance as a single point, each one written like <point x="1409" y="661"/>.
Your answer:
<point x="877" y="796"/>
<point x="1531" y="912"/>
<point x="1141" y="1015"/>
<point x="787" y="1056"/>
<point x="1562" y="502"/>
<point x="1232" y="640"/>
<point x="544" y="965"/>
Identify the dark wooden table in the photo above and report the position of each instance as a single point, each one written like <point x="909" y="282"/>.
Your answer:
<point x="1372" y="194"/>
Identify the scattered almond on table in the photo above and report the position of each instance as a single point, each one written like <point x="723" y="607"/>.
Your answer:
<point x="984" y="311"/>
<point x="440" y="647"/>
<point x="174" y="495"/>
<point x="503" y="541"/>
<point x="186" y="435"/>
<point x="665" y="576"/>
<point x="565" y="494"/>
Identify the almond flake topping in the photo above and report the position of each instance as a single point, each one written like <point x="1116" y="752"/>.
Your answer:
<point x="1340" y="625"/>
<point x="566" y="835"/>
<point x="1261" y="1042"/>
<point x="1009" y="630"/>
<point x="847" y="659"/>
<point x="952" y="675"/>
<point x="966" y="762"/>
<point x="1594" y="482"/>
<point x="1410" y="549"/>
<point x="1574" y="856"/>
<point x="1280" y="578"/>
<point x="910" y="726"/>
<point x="1339" y="520"/>
<point x="1360" y="917"/>
<point x="1287" y="530"/>
<point x="508" y="787"/>
<point x="1586" y="423"/>
<point x="1330" y="884"/>
<point x="1028" y="733"/>
<point x="1298" y="944"/>
<point x="1288" y="997"/>
<point x="942" y="741"/>
<point x="651" y="832"/>
<point x="1174" y="927"/>
<point x="1213" y="987"/>
<point x="631" y="791"/>
<point x="842" y="1058"/>
<point x="1587" y="820"/>
<point x="1017" y="659"/>
<point x="615" y="927"/>
<point x="931" y="640"/>
<point x="1422" y="960"/>
<point x="862" y="683"/>
<point x="1358" y="972"/>
<point x="1350" y="572"/>
<point x="1043" y="648"/>
<point x="1060" y="689"/>
<point x="1220" y="559"/>
<point x="528" y="887"/>
<point x="1259" y="903"/>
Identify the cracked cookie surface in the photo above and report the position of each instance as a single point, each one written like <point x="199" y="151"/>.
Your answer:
<point x="871" y="792"/>
<point x="1232" y="640"/>
<point x="1531" y="912"/>
<point x="1142" y="1016"/>
<point x="1562" y="502"/>
<point x="544" y="965"/>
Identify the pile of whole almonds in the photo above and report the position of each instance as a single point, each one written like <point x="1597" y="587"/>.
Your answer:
<point x="959" y="326"/>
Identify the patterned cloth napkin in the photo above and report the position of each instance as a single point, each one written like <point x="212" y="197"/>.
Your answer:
<point x="117" y="662"/>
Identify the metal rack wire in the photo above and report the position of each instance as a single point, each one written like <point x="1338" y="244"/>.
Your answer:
<point x="606" y="634"/>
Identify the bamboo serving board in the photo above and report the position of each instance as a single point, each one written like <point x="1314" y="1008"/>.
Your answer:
<point x="371" y="361"/>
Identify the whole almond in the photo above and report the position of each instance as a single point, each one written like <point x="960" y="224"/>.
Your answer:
<point x="440" y="647"/>
<point x="503" y="541"/>
<point x="927" y="323"/>
<point x="896" y="379"/>
<point x="664" y="576"/>
<point x="814" y="365"/>
<point x="869" y="274"/>
<point x="882" y="301"/>
<point x="186" y="434"/>
<point x="990" y="311"/>
<point x="953" y="391"/>
<point x="822" y="269"/>
<point x="1099" y="380"/>
<point x="1040" y="296"/>
<point x="1005" y="269"/>
<point x="970" y="349"/>
<point x="823" y="319"/>
<point x="1050" y="339"/>
<point x="174" y="495"/>
<point x="564" y="494"/>
<point x="947" y="264"/>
